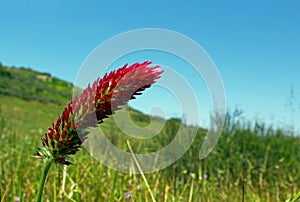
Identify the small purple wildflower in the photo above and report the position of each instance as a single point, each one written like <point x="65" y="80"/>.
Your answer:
<point x="127" y="195"/>
<point x="17" y="198"/>
<point x="205" y="176"/>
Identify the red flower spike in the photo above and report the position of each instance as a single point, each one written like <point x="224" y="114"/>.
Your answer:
<point x="60" y="144"/>
<point x="68" y="126"/>
<point x="50" y="134"/>
<point x="64" y="134"/>
<point x="99" y="100"/>
<point x="57" y="136"/>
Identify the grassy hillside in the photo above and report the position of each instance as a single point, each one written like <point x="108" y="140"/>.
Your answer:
<point x="261" y="162"/>
<point x="30" y="85"/>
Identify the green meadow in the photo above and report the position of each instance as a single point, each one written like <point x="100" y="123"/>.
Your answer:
<point x="251" y="162"/>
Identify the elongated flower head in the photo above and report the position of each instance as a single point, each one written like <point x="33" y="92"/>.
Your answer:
<point x="92" y="106"/>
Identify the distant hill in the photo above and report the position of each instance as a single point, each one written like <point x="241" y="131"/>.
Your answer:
<point x="31" y="85"/>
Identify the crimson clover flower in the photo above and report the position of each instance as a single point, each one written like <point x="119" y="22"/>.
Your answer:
<point x="95" y="103"/>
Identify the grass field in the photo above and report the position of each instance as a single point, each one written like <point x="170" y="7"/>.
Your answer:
<point x="255" y="163"/>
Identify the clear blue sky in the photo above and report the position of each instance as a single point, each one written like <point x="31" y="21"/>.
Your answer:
<point x="255" y="44"/>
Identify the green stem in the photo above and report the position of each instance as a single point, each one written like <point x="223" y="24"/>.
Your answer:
<point x="42" y="182"/>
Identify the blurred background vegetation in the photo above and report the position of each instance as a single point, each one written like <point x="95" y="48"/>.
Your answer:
<point x="29" y="85"/>
<point x="251" y="160"/>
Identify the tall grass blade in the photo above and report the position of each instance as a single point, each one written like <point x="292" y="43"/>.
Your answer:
<point x="141" y="171"/>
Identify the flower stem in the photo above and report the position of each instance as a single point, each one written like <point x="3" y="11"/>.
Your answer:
<point x="43" y="179"/>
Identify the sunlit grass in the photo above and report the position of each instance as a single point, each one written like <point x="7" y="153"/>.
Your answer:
<point x="264" y="160"/>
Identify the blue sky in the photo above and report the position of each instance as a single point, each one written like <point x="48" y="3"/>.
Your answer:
<point x="254" y="44"/>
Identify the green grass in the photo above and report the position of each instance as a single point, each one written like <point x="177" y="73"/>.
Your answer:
<point x="28" y="84"/>
<point x="263" y="160"/>
<point x="250" y="163"/>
